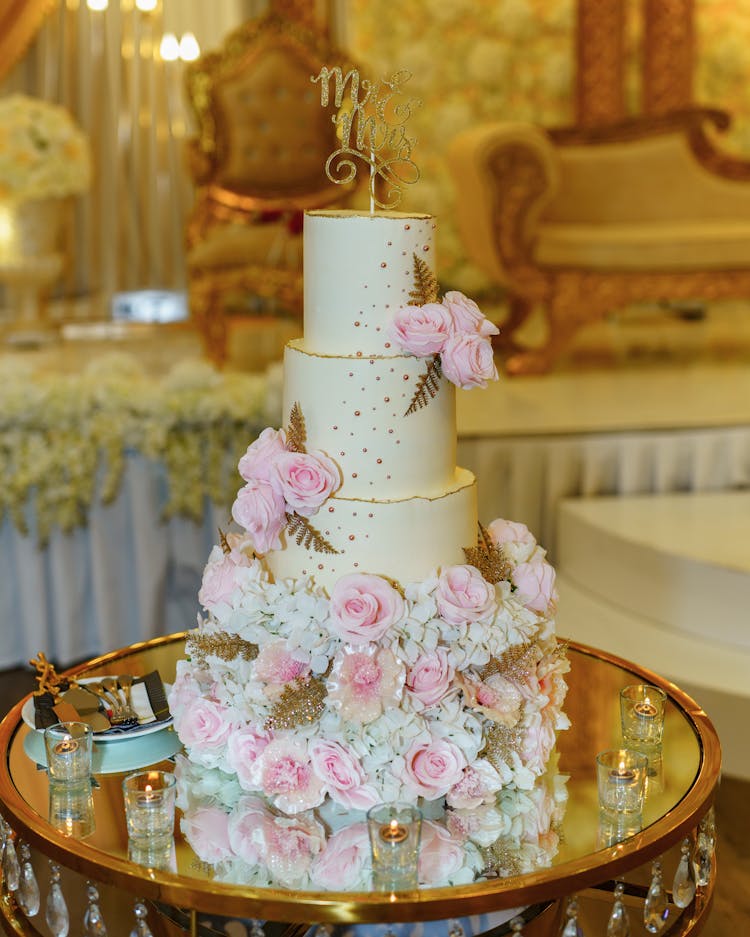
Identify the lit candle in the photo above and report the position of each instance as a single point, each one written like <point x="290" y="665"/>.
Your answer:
<point x="645" y="710"/>
<point x="66" y="747"/>
<point x="393" y="832"/>
<point x="622" y="775"/>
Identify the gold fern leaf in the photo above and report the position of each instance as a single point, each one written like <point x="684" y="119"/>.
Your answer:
<point x="296" y="434"/>
<point x="428" y="385"/>
<point x="425" y="284"/>
<point x="223" y="645"/>
<point x="306" y="535"/>
<point x="488" y="558"/>
<point x="301" y="703"/>
<point x="224" y="542"/>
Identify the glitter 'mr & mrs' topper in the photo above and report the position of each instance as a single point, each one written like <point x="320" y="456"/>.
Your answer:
<point x="371" y="125"/>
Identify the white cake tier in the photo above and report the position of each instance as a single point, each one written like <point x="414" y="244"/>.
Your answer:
<point x="402" y="540"/>
<point x="359" y="269"/>
<point x="354" y="412"/>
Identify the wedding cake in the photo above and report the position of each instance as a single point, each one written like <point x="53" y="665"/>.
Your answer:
<point x="365" y="639"/>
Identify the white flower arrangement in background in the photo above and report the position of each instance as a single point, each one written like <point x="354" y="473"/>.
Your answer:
<point x="43" y="153"/>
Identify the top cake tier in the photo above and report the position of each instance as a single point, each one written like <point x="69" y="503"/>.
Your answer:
<point x="359" y="269"/>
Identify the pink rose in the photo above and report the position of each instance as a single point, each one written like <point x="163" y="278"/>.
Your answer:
<point x="421" y="330"/>
<point x="244" y="747"/>
<point x="205" y="725"/>
<point x="535" y="586"/>
<point x="207" y="831"/>
<point x="184" y="691"/>
<point x="261" y="510"/>
<point x="432" y="768"/>
<point x="286" y="776"/>
<point x="467" y="360"/>
<point x="515" y="538"/>
<point x="466" y="316"/>
<point x="344" y="862"/>
<point x="246" y="829"/>
<point x="440" y="855"/>
<point x="307" y="479"/>
<point x="464" y="595"/>
<point x="364" y="607"/>
<point x="258" y="462"/>
<point x="220" y="576"/>
<point x="430" y="676"/>
<point x="342" y="774"/>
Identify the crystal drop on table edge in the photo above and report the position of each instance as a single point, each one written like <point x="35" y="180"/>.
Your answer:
<point x="655" y="910"/>
<point x="703" y="867"/>
<point x="93" y="920"/>
<point x="618" y="924"/>
<point x="56" y="914"/>
<point x="455" y="929"/>
<point x="572" y="929"/>
<point x="256" y="929"/>
<point x="27" y="896"/>
<point x="683" y="886"/>
<point x="141" y="928"/>
<point x="11" y="866"/>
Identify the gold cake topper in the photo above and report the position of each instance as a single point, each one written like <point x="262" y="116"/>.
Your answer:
<point x="371" y="127"/>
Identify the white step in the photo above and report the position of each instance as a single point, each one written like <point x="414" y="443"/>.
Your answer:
<point x="664" y="581"/>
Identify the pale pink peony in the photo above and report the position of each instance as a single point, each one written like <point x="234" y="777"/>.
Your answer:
<point x="535" y="586"/>
<point x="432" y="768"/>
<point x="364" y="607"/>
<point x="277" y="665"/>
<point x="291" y="847"/>
<point x="440" y="854"/>
<point x="517" y="541"/>
<point x="467" y="360"/>
<point x="261" y="510"/>
<point x="365" y="681"/>
<point x="537" y="743"/>
<point x="549" y="671"/>
<point x="244" y="747"/>
<point x="464" y="595"/>
<point x="466" y="316"/>
<point x="286" y="776"/>
<point x="421" y="330"/>
<point x="184" y="691"/>
<point x="429" y="677"/>
<point x="207" y="831"/>
<point x="477" y="785"/>
<point x="343" y="776"/>
<point x="205" y="725"/>
<point x="220" y="576"/>
<point x="496" y="697"/>
<point x="246" y="826"/>
<point x="306" y="480"/>
<point x="341" y="865"/>
<point x="257" y="464"/>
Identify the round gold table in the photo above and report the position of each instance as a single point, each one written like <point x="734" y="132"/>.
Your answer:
<point x="586" y="864"/>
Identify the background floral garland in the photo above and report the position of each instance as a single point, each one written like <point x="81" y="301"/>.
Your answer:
<point x="64" y="439"/>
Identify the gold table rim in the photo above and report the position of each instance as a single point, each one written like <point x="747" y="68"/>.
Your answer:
<point x="335" y="907"/>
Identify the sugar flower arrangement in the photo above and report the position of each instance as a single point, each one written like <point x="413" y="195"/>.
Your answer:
<point x="448" y="688"/>
<point x="43" y="154"/>
<point x="245" y="840"/>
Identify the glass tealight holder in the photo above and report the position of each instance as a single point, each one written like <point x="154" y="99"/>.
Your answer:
<point x="642" y="715"/>
<point x="621" y="780"/>
<point x="154" y="853"/>
<point x="69" y="746"/>
<point x="395" y="831"/>
<point x="71" y="807"/>
<point x="149" y="806"/>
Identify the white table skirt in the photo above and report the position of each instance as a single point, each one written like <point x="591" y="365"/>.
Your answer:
<point x="524" y="478"/>
<point x="129" y="576"/>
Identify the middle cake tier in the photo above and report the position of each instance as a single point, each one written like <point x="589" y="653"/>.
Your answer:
<point x="354" y="410"/>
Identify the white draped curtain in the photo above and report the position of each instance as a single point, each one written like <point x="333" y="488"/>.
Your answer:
<point x="105" y="66"/>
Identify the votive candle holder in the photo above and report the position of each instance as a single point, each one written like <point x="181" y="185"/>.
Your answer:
<point x="395" y="832"/>
<point x="642" y="715"/>
<point x="71" y="807"/>
<point x="621" y="780"/>
<point x="149" y="806"/>
<point x="69" y="747"/>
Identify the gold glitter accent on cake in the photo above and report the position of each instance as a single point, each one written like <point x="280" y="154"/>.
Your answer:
<point x="501" y="859"/>
<point x="488" y="558"/>
<point x="301" y="703"/>
<point x="296" y="434"/>
<point x="515" y="664"/>
<point x="428" y="385"/>
<point x="371" y="129"/>
<point x="223" y="645"/>
<point x="425" y="284"/>
<point x="305" y="535"/>
<point x="500" y="743"/>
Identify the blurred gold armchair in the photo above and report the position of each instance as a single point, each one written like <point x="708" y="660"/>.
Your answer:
<point x="257" y="162"/>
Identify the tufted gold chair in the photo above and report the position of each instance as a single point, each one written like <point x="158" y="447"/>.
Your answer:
<point x="257" y="162"/>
